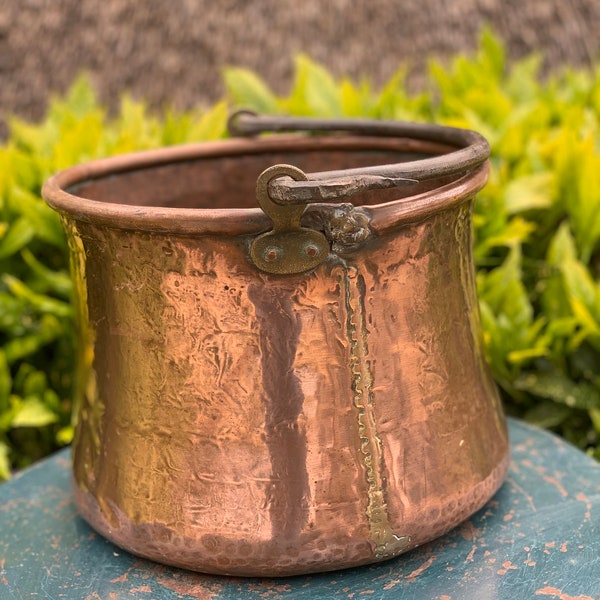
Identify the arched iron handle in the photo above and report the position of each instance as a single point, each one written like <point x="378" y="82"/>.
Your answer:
<point x="472" y="150"/>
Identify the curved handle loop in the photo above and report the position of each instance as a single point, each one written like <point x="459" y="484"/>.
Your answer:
<point x="472" y="151"/>
<point x="282" y="216"/>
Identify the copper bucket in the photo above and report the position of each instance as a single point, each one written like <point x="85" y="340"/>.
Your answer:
<point x="287" y="390"/>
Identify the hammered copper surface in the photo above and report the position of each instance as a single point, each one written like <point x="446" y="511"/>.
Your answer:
<point x="237" y="422"/>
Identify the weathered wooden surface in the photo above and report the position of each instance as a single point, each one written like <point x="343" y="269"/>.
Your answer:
<point x="538" y="538"/>
<point x="172" y="52"/>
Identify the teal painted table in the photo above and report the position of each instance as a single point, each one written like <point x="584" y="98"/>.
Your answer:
<point x="538" y="538"/>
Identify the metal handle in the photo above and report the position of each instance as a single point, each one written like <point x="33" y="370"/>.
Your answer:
<point x="283" y="191"/>
<point x="472" y="151"/>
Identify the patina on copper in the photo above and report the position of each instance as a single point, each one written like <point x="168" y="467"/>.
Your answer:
<point x="236" y="421"/>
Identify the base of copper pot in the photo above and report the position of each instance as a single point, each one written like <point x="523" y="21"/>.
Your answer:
<point x="309" y="553"/>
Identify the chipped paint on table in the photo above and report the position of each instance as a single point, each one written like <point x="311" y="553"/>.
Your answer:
<point x="539" y="537"/>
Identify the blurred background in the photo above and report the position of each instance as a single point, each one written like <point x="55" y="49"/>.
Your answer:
<point x="171" y="53"/>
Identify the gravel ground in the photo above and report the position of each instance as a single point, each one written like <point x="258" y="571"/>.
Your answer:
<point x="172" y="52"/>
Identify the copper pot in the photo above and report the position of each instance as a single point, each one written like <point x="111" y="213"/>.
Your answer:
<point x="287" y="390"/>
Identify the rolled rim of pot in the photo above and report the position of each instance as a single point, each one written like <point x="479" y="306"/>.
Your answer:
<point x="439" y="168"/>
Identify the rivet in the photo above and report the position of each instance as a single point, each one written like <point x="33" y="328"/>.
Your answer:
<point x="311" y="250"/>
<point x="272" y="253"/>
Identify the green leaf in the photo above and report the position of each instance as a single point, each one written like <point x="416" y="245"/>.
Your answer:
<point x="86" y="140"/>
<point x="580" y="286"/>
<point x="31" y="139"/>
<point x="249" y="91"/>
<point x="25" y="169"/>
<point x="547" y="414"/>
<point x="41" y="219"/>
<point x="315" y="91"/>
<point x="391" y="95"/>
<point x="31" y="412"/>
<point x="518" y="357"/>
<point x="35" y="384"/>
<point x="533" y="191"/>
<point x="523" y="83"/>
<point x="491" y="54"/>
<point x="136" y="130"/>
<point x="556" y="306"/>
<point x="41" y="303"/>
<point x="5" y="382"/>
<point x="396" y="103"/>
<point x="562" y="247"/>
<point x="64" y="435"/>
<point x="18" y="348"/>
<point x="175" y="128"/>
<point x="4" y="461"/>
<point x="514" y="233"/>
<point x="584" y="363"/>
<point x="595" y="416"/>
<point x="80" y="100"/>
<point x="212" y="125"/>
<point x="503" y="290"/>
<point x="512" y="335"/>
<point x="571" y="291"/>
<point x="57" y="282"/>
<point x="356" y="101"/>
<point x="586" y="212"/>
<point x="560" y="389"/>
<point x="13" y="315"/>
<point x="16" y="236"/>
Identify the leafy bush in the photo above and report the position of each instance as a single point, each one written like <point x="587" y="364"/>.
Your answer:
<point x="537" y="227"/>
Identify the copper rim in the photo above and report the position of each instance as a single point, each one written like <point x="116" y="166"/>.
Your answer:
<point x="59" y="190"/>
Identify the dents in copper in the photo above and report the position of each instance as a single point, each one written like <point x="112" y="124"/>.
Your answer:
<point x="318" y="402"/>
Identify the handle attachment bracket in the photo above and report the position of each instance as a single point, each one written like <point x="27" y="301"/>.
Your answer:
<point x="288" y="248"/>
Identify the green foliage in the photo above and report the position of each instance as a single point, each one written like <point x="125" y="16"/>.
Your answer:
<point x="537" y="226"/>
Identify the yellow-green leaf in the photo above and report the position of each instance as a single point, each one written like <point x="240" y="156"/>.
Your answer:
<point x="41" y="303"/>
<point x="44" y="221"/>
<point x="529" y="192"/>
<point x="5" y="381"/>
<point x="64" y="435"/>
<point x="315" y="90"/>
<point x="249" y="91"/>
<point x="212" y="125"/>
<point x="30" y="412"/>
<point x="4" y="461"/>
<point x="18" y="235"/>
